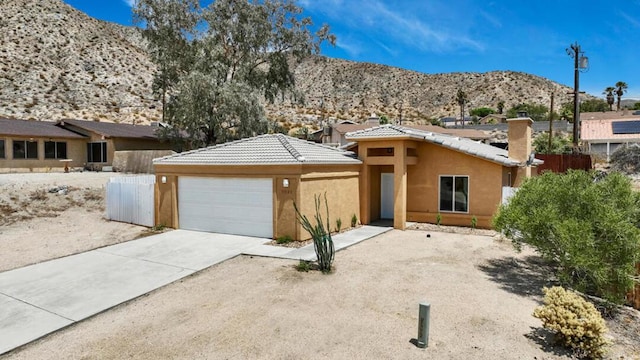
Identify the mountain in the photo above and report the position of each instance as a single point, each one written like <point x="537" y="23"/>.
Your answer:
<point x="57" y="62"/>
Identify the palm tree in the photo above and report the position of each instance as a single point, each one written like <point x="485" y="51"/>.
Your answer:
<point x="621" y="88"/>
<point x="461" y="99"/>
<point x="610" y="97"/>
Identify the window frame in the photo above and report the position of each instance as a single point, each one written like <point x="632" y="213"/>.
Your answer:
<point x="103" y="152"/>
<point x="453" y="192"/>
<point x="3" y="149"/>
<point x="57" y="148"/>
<point x="26" y="146"/>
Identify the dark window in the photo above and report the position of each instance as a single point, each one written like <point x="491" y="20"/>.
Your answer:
<point x="55" y="150"/>
<point x="454" y="193"/>
<point x="97" y="152"/>
<point x="23" y="149"/>
<point x="1" y="149"/>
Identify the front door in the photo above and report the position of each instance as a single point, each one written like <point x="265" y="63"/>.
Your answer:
<point x="386" y="196"/>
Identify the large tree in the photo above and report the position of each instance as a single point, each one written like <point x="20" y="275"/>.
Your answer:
<point x="534" y="111"/>
<point x="216" y="63"/>
<point x="610" y="97"/>
<point x="621" y="88"/>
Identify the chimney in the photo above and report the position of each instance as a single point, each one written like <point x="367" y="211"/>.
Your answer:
<point x="520" y="145"/>
<point x="373" y="120"/>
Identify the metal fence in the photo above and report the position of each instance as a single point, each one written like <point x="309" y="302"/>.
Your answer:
<point x="130" y="199"/>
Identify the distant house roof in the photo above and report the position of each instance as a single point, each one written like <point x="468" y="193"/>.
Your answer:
<point x="468" y="133"/>
<point x="610" y="115"/>
<point x="460" y="144"/>
<point x="36" y="129"/>
<point x="272" y="149"/>
<point x="113" y="130"/>
<point x="602" y="130"/>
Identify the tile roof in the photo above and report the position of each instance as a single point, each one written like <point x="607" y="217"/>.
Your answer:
<point x="271" y="149"/>
<point x="109" y="130"/>
<point x="609" y="115"/>
<point x="36" y="129"/>
<point x="460" y="144"/>
<point x="601" y="130"/>
<point x="468" y="133"/>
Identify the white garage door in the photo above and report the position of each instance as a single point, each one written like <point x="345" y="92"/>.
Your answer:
<point x="226" y="205"/>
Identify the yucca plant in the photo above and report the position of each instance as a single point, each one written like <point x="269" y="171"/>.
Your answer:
<point x="320" y="233"/>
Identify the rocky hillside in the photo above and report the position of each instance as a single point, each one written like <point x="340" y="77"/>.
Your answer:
<point x="57" y="62"/>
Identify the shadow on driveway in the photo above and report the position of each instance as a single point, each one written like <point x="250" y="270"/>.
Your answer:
<point x="524" y="277"/>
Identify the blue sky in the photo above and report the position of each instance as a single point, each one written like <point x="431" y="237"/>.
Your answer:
<point x="441" y="36"/>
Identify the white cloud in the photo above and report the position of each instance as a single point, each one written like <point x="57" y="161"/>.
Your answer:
<point x="421" y="27"/>
<point x="130" y="3"/>
<point x="631" y="20"/>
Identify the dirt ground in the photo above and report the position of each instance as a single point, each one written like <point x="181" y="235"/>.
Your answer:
<point x="38" y="225"/>
<point x="481" y="293"/>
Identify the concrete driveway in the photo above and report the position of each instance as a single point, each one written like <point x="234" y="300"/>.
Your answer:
<point x="42" y="298"/>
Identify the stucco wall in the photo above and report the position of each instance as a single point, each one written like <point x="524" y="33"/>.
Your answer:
<point x="75" y="152"/>
<point x="485" y="186"/>
<point x="340" y="182"/>
<point x="342" y="197"/>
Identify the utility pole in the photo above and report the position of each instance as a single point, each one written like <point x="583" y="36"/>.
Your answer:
<point x="579" y="62"/>
<point x="550" y="124"/>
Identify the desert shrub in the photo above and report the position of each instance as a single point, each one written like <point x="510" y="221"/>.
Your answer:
<point x="303" y="266"/>
<point x="284" y="239"/>
<point x="626" y="159"/>
<point x="576" y="322"/>
<point x="586" y="228"/>
<point x="438" y="219"/>
<point x="474" y="222"/>
<point x="338" y="225"/>
<point x="354" y="220"/>
<point x="320" y="233"/>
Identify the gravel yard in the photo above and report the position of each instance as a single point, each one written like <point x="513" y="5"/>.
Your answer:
<point x="482" y="293"/>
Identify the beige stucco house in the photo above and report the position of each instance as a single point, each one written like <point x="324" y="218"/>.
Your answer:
<point x="248" y="187"/>
<point x="27" y="145"/>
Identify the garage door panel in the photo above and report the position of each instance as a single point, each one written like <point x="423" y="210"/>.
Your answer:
<point x="226" y="205"/>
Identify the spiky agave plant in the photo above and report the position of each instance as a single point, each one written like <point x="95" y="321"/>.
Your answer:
<point x="320" y="233"/>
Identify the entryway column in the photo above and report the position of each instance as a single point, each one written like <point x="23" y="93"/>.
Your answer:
<point x="400" y="186"/>
<point x="365" y="186"/>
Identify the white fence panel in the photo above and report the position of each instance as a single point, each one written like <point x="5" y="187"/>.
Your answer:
<point x="507" y="193"/>
<point x="130" y="199"/>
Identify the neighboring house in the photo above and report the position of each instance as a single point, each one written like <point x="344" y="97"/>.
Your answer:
<point x="27" y="145"/>
<point x="38" y="146"/>
<point x="335" y="134"/>
<point x="493" y="119"/>
<point x="450" y="121"/>
<point x="248" y="187"/>
<point x="602" y="137"/>
<point x="104" y="139"/>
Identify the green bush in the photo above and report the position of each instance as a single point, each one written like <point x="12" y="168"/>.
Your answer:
<point x="438" y="219"/>
<point x="303" y="266"/>
<point x="577" y="324"/>
<point x="338" y="225"/>
<point x="474" y="222"/>
<point x="354" y="220"/>
<point x="284" y="239"/>
<point x="587" y="228"/>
